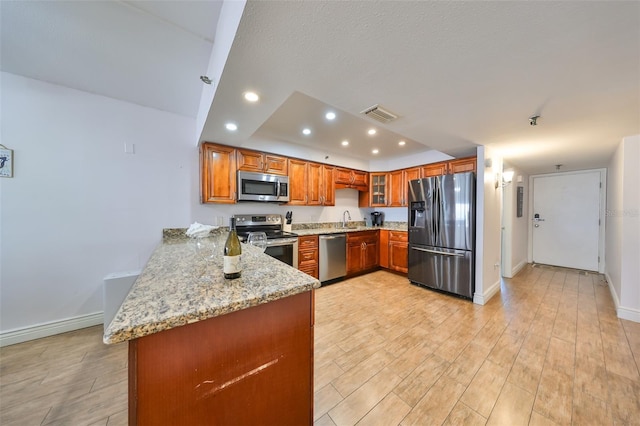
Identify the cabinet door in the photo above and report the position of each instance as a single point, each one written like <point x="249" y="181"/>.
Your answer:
<point x="407" y="176"/>
<point x="399" y="256"/>
<point x="344" y="176"/>
<point x="370" y="255"/>
<point x="314" y="184"/>
<point x="396" y="188"/>
<point x="354" y="255"/>
<point x="347" y="178"/>
<point x="275" y="164"/>
<point x="378" y="197"/>
<point x="398" y="251"/>
<point x="297" y="182"/>
<point x="360" y="179"/>
<point x="435" y="169"/>
<point x="250" y="161"/>
<point x="328" y="186"/>
<point x="462" y="165"/>
<point x="217" y="173"/>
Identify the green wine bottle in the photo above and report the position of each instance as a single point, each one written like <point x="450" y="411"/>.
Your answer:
<point x="232" y="251"/>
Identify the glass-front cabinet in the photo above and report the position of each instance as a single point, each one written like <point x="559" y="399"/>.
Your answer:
<point x="379" y="189"/>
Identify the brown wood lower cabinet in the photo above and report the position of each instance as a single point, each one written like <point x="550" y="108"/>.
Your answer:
<point x="308" y="255"/>
<point x="362" y="251"/>
<point x="399" y="251"/>
<point x="253" y="366"/>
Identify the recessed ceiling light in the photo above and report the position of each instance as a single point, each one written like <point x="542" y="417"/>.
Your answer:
<point x="372" y="131"/>
<point x="306" y="131"/>
<point x="330" y="115"/>
<point x="402" y="143"/>
<point x="375" y="151"/>
<point x="345" y="143"/>
<point x="232" y="127"/>
<point x="251" y="96"/>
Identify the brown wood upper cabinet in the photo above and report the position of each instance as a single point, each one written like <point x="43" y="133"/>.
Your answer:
<point x="348" y="178"/>
<point x="390" y="189"/>
<point x="462" y="165"/>
<point x="254" y="161"/>
<point x="311" y="184"/>
<point x="435" y="169"/>
<point x="379" y="190"/>
<point x="217" y="173"/>
<point x="399" y="185"/>
<point x="459" y="165"/>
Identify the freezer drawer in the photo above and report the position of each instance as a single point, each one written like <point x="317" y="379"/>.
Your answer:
<point x="443" y="269"/>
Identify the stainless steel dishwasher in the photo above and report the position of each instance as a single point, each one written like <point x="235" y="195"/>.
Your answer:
<point x="333" y="256"/>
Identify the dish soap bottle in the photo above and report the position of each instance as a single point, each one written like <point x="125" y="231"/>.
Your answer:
<point x="232" y="251"/>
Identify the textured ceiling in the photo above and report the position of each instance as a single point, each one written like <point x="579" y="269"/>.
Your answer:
<point x="147" y="52"/>
<point x="459" y="74"/>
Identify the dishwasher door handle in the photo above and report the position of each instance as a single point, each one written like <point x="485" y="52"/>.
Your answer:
<point x="331" y="237"/>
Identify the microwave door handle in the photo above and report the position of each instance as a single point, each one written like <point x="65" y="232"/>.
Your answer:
<point x="277" y="189"/>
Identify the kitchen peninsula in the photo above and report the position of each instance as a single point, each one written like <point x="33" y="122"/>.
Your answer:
<point x="205" y="350"/>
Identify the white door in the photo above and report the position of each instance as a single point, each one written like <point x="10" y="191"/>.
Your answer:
<point x="566" y="220"/>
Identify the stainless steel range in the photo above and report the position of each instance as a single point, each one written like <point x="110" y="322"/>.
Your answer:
<point x="280" y="244"/>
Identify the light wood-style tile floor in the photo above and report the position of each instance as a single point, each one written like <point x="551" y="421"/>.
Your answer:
<point x="548" y="349"/>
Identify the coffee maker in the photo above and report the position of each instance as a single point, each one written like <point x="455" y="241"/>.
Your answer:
<point x="377" y="218"/>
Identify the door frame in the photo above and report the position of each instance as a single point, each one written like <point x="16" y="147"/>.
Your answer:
<point x="603" y="206"/>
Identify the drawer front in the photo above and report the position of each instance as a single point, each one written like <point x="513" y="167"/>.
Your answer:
<point x="309" y="241"/>
<point x="307" y="256"/>
<point x="310" y="270"/>
<point x="398" y="236"/>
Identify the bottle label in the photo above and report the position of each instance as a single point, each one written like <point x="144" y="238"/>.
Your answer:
<point x="232" y="264"/>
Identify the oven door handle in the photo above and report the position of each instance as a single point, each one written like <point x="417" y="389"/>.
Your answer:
<point x="281" y="242"/>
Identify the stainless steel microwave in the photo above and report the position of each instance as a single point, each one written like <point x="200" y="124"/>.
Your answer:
<point x="263" y="187"/>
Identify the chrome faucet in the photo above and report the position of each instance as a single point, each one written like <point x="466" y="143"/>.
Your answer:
<point x="344" y="221"/>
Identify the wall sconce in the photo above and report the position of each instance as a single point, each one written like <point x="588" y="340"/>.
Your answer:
<point x="507" y="178"/>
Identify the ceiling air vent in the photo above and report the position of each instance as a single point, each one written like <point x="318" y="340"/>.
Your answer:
<point x="379" y="114"/>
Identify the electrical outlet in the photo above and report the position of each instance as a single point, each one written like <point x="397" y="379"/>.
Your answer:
<point x="129" y="148"/>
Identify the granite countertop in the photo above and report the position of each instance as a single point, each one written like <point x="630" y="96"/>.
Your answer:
<point x="332" y="229"/>
<point x="182" y="285"/>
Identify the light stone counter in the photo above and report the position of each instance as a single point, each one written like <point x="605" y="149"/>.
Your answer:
<point x="308" y="229"/>
<point x="182" y="285"/>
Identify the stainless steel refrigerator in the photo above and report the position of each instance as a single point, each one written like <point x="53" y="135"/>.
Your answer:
<point x="442" y="233"/>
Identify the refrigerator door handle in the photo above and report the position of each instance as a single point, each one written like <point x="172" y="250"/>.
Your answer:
<point x="438" y="252"/>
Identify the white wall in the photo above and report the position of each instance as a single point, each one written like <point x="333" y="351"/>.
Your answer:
<point x="419" y="159"/>
<point x="623" y="228"/>
<point x="515" y="232"/>
<point x="488" y="225"/>
<point x="346" y="199"/>
<point x="226" y="27"/>
<point x="78" y="207"/>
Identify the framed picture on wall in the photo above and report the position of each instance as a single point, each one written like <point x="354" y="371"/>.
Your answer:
<point x="6" y="162"/>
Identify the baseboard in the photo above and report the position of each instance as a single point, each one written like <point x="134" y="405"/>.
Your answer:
<point x="518" y="267"/>
<point x="49" y="329"/>
<point x="628" y="314"/>
<point x="622" y="312"/>
<point x="612" y="290"/>
<point x="481" y="299"/>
